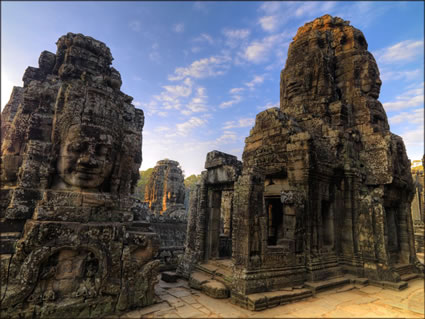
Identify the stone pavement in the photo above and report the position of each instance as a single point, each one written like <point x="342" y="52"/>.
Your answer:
<point x="177" y="300"/>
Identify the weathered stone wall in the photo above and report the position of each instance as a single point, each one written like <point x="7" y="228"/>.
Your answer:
<point x="70" y="153"/>
<point x="165" y="189"/>
<point x="172" y="236"/>
<point x="418" y="209"/>
<point x="209" y="231"/>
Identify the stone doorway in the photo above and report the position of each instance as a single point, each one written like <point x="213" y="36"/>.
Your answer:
<point x="219" y="244"/>
<point x="392" y="234"/>
<point x="275" y="220"/>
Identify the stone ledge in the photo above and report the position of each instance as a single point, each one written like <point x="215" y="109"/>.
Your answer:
<point x="331" y="283"/>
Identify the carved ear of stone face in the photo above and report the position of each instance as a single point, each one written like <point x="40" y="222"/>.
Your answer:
<point x="86" y="158"/>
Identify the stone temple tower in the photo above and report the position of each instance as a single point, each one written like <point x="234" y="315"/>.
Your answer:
<point x="70" y="154"/>
<point x="325" y="187"/>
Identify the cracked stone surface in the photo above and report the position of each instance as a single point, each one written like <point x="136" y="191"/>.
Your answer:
<point x="357" y="301"/>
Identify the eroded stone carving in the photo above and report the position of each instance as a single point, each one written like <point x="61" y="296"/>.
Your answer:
<point x="325" y="187"/>
<point x="71" y="150"/>
<point x="165" y="190"/>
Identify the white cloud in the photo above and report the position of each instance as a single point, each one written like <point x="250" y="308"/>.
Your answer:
<point x="200" y="6"/>
<point x="414" y="117"/>
<point x="178" y="90"/>
<point x="269" y="23"/>
<point x="235" y="37"/>
<point x="204" y="37"/>
<point x="154" y="56"/>
<point x="135" y="25"/>
<point x="161" y="129"/>
<point x="226" y="137"/>
<point x="178" y="28"/>
<point x="259" y="50"/>
<point x="236" y="90"/>
<point x="400" y="52"/>
<point x="411" y="98"/>
<point x="207" y="67"/>
<point x="408" y="75"/>
<point x="184" y="128"/>
<point x="195" y="49"/>
<point x="235" y="99"/>
<point x="268" y="106"/>
<point x="258" y="79"/>
<point x="236" y="33"/>
<point x="243" y="122"/>
<point x="198" y="102"/>
<point x="271" y="6"/>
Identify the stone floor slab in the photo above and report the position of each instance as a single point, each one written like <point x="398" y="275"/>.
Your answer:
<point x="366" y="302"/>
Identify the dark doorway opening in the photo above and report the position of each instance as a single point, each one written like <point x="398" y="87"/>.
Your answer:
<point x="275" y="219"/>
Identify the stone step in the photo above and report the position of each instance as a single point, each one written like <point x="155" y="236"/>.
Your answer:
<point x="389" y="284"/>
<point x="403" y="269"/>
<point x="407" y="277"/>
<point x="264" y="300"/>
<point x="215" y="270"/>
<point x="316" y="286"/>
<point x="169" y="276"/>
<point x="205" y="283"/>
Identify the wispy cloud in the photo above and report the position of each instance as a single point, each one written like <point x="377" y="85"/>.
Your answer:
<point x="204" y="37"/>
<point x="259" y="50"/>
<point x="258" y="79"/>
<point x="184" y="128"/>
<point x="269" y="23"/>
<point x="268" y="106"/>
<point x="235" y="37"/>
<point x="207" y="67"/>
<point x="403" y="51"/>
<point x="408" y="75"/>
<point x="198" y="102"/>
<point x="135" y="25"/>
<point x="243" y="122"/>
<point x="411" y="98"/>
<point x="236" y="90"/>
<point x="178" y="28"/>
<point x="162" y="129"/>
<point x="235" y="99"/>
<point x="200" y="6"/>
<point x="226" y="137"/>
<point x="414" y="117"/>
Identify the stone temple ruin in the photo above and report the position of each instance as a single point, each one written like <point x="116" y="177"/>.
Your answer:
<point x="165" y="194"/>
<point x="321" y="198"/>
<point x="70" y="155"/>
<point x="418" y="209"/>
<point x="323" y="195"/>
<point x="165" y="190"/>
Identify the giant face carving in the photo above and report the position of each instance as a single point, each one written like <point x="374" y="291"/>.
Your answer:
<point x="370" y="83"/>
<point x="86" y="157"/>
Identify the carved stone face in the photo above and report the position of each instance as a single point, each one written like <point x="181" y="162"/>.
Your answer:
<point x="86" y="157"/>
<point x="370" y="83"/>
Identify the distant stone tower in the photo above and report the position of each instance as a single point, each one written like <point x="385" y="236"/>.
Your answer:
<point x="165" y="189"/>
<point x="70" y="157"/>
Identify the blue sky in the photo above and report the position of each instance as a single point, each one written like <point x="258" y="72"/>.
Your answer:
<point x="201" y="71"/>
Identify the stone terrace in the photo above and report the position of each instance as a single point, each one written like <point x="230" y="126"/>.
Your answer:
<point x="177" y="300"/>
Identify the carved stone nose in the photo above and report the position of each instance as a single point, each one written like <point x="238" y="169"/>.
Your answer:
<point x="87" y="159"/>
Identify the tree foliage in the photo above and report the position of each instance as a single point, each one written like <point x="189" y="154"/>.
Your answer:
<point x="141" y="183"/>
<point x="191" y="180"/>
